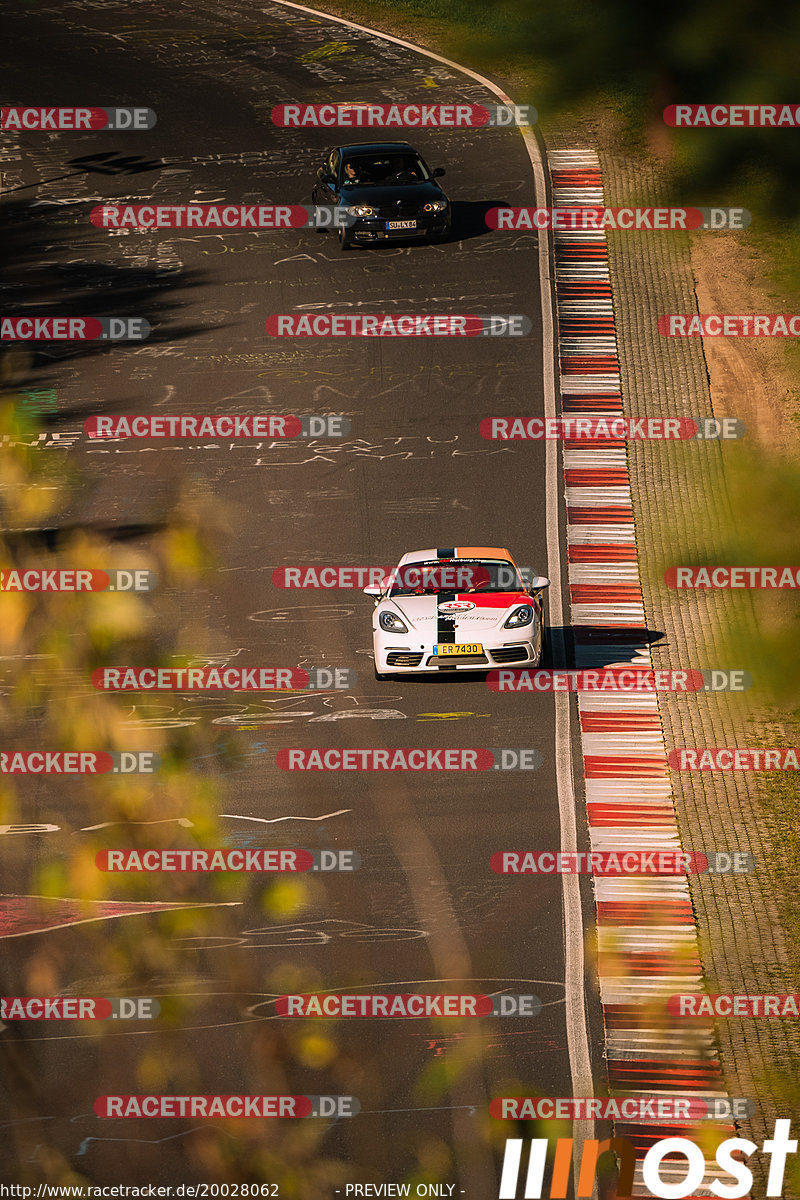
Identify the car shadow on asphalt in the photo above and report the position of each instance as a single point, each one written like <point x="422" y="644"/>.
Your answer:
<point x="54" y="263"/>
<point x="597" y="645"/>
<point x="469" y="219"/>
<point x="608" y="645"/>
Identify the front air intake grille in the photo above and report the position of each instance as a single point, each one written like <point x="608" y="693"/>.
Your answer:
<point x="400" y="658"/>
<point x="509" y="654"/>
<point x="399" y="212"/>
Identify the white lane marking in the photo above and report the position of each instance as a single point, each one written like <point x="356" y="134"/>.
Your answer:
<point x="182" y="821"/>
<point x="276" y="820"/>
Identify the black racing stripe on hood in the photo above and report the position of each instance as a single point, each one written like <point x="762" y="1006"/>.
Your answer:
<point x="445" y="622"/>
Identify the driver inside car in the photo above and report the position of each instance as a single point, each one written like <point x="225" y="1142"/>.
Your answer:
<point x="354" y="172"/>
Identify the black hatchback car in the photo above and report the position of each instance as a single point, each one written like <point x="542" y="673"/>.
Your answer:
<point x="387" y="189"/>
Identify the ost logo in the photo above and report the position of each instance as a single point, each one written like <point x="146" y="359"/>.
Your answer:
<point x="673" y="1188"/>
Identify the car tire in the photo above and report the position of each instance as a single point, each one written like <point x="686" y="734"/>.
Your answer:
<point x="344" y="240"/>
<point x="380" y="677"/>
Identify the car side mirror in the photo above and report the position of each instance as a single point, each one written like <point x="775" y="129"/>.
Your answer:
<point x="439" y="172"/>
<point x="372" y="591"/>
<point x="326" y="177"/>
<point x="538" y="583"/>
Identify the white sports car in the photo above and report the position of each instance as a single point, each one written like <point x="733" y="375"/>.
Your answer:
<point x="458" y="608"/>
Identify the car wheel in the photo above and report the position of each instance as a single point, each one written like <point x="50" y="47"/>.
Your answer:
<point x="381" y="678"/>
<point x="344" y="240"/>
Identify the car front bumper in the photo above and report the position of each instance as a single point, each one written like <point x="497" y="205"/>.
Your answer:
<point x="374" y="229"/>
<point x="398" y="658"/>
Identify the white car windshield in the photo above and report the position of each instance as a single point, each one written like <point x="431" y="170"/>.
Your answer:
<point x="456" y="575"/>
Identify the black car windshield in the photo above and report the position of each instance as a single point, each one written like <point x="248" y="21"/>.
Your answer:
<point x="459" y="575"/>
<point x="382" y="170"/>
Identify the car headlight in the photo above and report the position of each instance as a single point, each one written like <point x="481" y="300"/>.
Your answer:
<point x="361" y="210"/>
<point x="392" y="623"/>
<point x="520" y="616"/>
<point x="436" y="206"/>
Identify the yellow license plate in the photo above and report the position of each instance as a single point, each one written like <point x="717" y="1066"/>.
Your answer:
<point x="452" y="649"/>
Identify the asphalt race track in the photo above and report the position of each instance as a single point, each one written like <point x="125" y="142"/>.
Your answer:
<point x="425" y="910"/>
